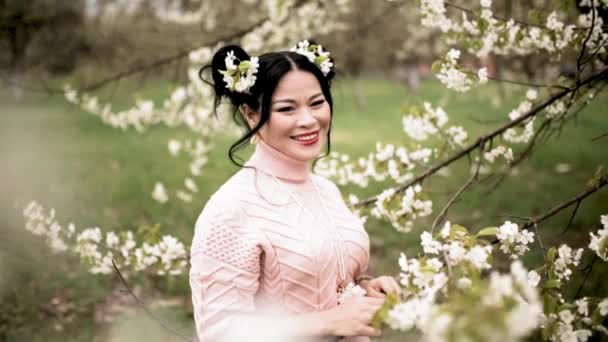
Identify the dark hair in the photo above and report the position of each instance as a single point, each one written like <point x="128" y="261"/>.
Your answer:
<point x="272" y="67"/>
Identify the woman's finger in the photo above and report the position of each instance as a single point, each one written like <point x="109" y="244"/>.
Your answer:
<point x="388" y="284"/>
<point x="373" y="292"/>
<point x="395" y="286"/>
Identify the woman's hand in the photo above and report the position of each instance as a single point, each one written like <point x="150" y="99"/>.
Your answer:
<point x="352" y="317"/>
<point x="380" y="287"/>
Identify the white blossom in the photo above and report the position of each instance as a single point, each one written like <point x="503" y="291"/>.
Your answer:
<point x="533" y="278"/>
<point x="351" y="290"/>
<point x="599" y="242"/>
<point x="159" y="193"/>
<point x="512" y="241"/>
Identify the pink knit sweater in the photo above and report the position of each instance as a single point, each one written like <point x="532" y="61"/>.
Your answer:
<point x="264" y="247"/>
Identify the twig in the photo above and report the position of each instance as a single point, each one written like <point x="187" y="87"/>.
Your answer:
<point x="602" y="181"/>
<point x="141" y="305"/>
<point x="601" y="136"/>
<point x="580" y="288"/>
<point x="469" y="11"/>
<point x="180" y="55"/>
<point x="527" y="84"/>
<point x="540" y="242"/>
<point x="165" y="60"/>
<point x="584" y="45"/>
<point x="439" y="219"/>
<point x="578" y="204"/>
<point x="482" y="139"/>
<point x="515" y="217"/>
<point x="521" y="22"/>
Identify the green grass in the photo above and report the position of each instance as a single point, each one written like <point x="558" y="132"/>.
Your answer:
<point x="94" y="175"/>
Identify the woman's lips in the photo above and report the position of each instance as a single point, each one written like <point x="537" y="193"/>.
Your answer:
<point x="307" y="138"/>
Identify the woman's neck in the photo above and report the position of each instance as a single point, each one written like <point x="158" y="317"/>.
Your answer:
<point x="276" y="163"/>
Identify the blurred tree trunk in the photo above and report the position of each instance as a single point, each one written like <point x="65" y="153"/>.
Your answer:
<point x="37" y="32"/>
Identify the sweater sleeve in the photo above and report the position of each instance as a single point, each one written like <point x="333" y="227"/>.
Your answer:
<point x="225" y="270"/>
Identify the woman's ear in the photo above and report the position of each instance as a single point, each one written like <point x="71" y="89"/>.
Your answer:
<point x="252" y="117"/>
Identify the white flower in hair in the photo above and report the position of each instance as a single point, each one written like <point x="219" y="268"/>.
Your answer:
<point x="315" y="54"/>
<point x="230" y="61"/>
<point x="241" y="77"/>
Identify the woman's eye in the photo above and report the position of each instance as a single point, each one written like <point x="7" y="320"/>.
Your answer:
<point x="318" y="103"/>
<point x="284" y="109"/>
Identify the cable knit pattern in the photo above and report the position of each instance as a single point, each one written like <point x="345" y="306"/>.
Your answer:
<point x="264" y="248"/>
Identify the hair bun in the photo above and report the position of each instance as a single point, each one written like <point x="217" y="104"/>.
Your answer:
<point x="218" y="62"/>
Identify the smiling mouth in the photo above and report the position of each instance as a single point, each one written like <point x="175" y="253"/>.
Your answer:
<point x="307" y="139"/>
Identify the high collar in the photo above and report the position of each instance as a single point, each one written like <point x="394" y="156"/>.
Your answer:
<point x="276" y="163"/>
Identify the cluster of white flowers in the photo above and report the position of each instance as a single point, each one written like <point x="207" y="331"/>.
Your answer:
<point x="457" y="136"/>
<point x="526" y="314"/>
<point x="499" y="150"/>
<point x="512" y="305"/>
<point x="567" y="260"/>
<point x="451" y="76"/>
<point x="452" y="245"/>
<point x="167" y="256"/>
<point x="513" y="242"/>
<point x="422" y="277"/>
<point x="350" y="291"/>
<point x="485" y="34"/>
<point x="434" y="15"/>
<point x="402" y="208"/>
<point x="242" y="76"/>
<point x="599" y="242"/>
<point x="389" y="161"/>
<point x="576" y="321"/>
<point x="316" y="54"/>
<point x="524" y="132"/>
<point x="419" y="126"/>
<point x="555" y="109"/>
<point x="412" y="313"/>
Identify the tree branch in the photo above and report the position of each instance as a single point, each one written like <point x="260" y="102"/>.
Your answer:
<point x="141" y="305"/>
<point x="166" y="60"/>
<point x="601" y="182"/>
<point x="439" y="219"/>
<point x="600" y="76"/>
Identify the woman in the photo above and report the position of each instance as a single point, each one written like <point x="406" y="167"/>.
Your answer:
<point x="275" y="244"/>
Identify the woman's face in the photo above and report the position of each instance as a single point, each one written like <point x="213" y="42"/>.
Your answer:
<point x="299" y="117"/>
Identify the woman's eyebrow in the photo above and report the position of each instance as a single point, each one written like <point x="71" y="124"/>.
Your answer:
<point x="293" y="101"/>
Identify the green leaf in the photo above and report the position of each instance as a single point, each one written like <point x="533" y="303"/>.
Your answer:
<point x="381" y="315"/>
<point x="244" y="66"/>
<point x="551" y="254"/>
<point x="489" y="231"/>
<point x="150" y="234"/>
<point x="436" y="66"/>
<point x="456" y="228"/>
<point x="552" y="284"/>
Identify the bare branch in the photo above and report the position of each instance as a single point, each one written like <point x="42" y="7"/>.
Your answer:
<point x="584" y="45"/>
<point x="141" y="305"/>
<point x="166" y="60"/>
<point x="578" y="204"/>
<point x="521" y="22"/>
<point x="527" y="84"/>
<point x="439" y="219"/>
<point x="601" y="182"/>
<point x="580" y="288"/>
<point x="601" y="136"/>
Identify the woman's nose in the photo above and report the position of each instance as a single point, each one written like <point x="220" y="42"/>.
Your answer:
<point x="306" y="118"/>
